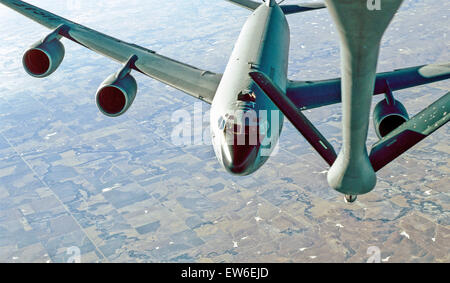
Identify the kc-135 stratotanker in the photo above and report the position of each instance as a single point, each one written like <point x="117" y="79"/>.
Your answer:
<point x="255" y="81"/>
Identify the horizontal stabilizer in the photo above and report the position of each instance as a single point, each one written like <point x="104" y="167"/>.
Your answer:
<point x="292" y="9"/>
<point x="248" y="4"/>
<point x="410" y="133"/>
<point x="287" y="9"/>
<point x="303" y="125"/>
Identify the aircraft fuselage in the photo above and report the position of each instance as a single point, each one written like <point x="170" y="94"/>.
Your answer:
<point x="245" y="124"/>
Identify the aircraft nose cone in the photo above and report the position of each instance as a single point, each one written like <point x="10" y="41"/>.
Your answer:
<point x="239" y="159"/>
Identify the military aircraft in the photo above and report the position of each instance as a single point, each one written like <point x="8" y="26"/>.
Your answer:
<point x="255" y="83"/>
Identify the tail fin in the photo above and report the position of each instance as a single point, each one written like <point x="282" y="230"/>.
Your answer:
<point x="287" y="9"/>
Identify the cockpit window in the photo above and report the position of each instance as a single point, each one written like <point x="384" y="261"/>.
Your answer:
<point x="231" y="125"/>
<point x="246" y="126"/>
<point x="221" y="123"/>
<point x="241" y="128"/>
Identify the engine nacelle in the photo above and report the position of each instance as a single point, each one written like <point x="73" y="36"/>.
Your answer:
<point x="388" y="116"/>
<point x="43" y="58"/>
<point x="116" y="94"/>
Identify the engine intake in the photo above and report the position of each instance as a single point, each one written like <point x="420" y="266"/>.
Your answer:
<point x="116" y="94"/>
<point x="388" y="116"/>
<point x="43" y="58"/>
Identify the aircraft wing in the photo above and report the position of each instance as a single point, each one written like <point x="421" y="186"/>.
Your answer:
<point x="383" y="152"/>
<point x="410" y="133"/>
<point x="191" y="80"/>
<point x="313" y="94"/>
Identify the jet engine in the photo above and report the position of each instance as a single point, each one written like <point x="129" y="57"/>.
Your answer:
<point x="388" y="115"/>
<point x="43" y="58"/>
<point x="116" y="94"/>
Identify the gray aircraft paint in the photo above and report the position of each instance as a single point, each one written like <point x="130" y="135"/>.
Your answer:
<point x="262" y="45"/>
<point x="361" y="31"/>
